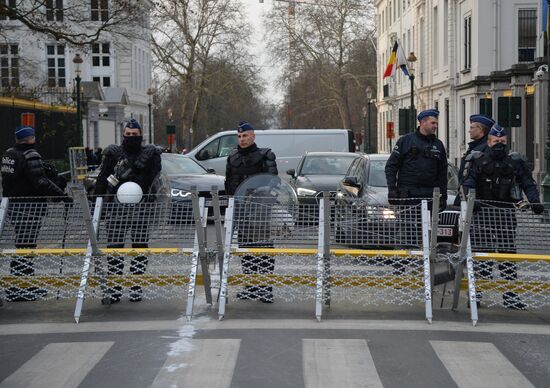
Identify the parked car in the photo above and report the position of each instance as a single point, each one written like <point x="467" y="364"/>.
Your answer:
<point x="179" y="175"/>
<point x="289" y="145"/>
<point x="364" y="214"/>
<point x="318" y="172"/>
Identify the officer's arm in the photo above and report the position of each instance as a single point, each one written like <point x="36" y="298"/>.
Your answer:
<point x="526" y="181"/>
<point x="442" y="176"/>
<point x="109" y="159"/>
<point x="153" y="168"/>
<point x="270" y="165"/>
<point x="38" y="178"/>
<point x="394" y="163"/>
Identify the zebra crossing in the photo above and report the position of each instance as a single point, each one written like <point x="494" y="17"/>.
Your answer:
<point x="325" y="363"/>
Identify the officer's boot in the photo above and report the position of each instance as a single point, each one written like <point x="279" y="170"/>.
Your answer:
<point x="249" y="266"/>
<point x="266" y="266"/>
<point x="115" y="266"/>
<point x="137" y="267"/>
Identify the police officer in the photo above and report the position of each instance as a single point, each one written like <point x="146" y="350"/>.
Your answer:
<point x="499" y="176"/>
<point x="418" y="163"/>
<point x="243" y="162"/>
<point x="480" y="125"/>
<point x="24" y="175"/>
<point x="130" y="162"/>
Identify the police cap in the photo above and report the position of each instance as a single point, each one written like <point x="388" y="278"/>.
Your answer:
<point x="428" y="113"/>
<point x="244" y="126"/>
<point x="498" y="131"/>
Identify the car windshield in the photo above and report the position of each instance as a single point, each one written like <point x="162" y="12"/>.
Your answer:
<point x="327" y="164"/>
<point x="181" y="165"/>
<point x="377" y="176"/>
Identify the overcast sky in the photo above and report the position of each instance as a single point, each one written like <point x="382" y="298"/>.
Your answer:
<point x="256" y="11"/>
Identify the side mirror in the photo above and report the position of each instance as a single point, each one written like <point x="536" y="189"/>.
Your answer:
<point x="351" y="181"/>
<point x="203" y="155"/>
<point x="210" y="171"/>
<point x="291" y="172"/>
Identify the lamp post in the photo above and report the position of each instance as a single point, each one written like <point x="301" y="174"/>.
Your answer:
<point x="369" y="101"/>
<point x="412" y="59"/>
<point x="150" y="92"/>
<point x="546" y="181"/>
<point x="77" y="60"/>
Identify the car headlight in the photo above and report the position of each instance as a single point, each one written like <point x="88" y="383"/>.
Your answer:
<point x="180" y="193"/>
<point x="305" y="192"/>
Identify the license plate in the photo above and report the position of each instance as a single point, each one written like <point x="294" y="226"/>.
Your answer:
<point x="445" y="232"/>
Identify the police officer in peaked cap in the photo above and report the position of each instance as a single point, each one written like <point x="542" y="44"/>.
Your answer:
<point x="418" y="163"/>
<point x="480" y="125"/>
<point x="244" y="161"/>
<point x="500" y="178"/>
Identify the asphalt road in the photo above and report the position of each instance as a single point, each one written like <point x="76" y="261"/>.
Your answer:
<point x="150" y="344"/>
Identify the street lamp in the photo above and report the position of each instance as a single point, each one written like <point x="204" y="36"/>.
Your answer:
<point x="369" y="101"/>
<point x="412" y="59"/>
<point x="150" y="92"/>
<point x="77" y="60"/>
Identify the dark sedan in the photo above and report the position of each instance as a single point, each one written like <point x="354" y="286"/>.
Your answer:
<point x="318" y="172"/>
<point x="366" y="218"/>
<point x="179" y="175"/>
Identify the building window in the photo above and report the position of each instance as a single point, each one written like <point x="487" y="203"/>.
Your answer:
<point x="435" y="35"/>
<point x="103" y="81"/>
<point x="527" y="34"/>
<point x="100" y="10"/>
<point x="54" y="10"/>
<point x="11" y="5"/>
<point x="468" y="43"/>
<point x="101" y="54"/>
<point x="55" y="54"/>
<point x="9" y="65"/>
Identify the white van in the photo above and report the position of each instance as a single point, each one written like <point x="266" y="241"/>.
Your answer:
<point x="289" y="145"/>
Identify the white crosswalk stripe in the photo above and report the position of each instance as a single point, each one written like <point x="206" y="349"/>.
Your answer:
<point x="58" y="365"/>
<point x="204" y="363"/>
<point x="326" y="363"/>
<point x="478" y="364"/>
<point x="332" y="363"/>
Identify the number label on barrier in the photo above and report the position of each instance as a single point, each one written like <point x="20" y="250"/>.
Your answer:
<point x="445" y="232"/>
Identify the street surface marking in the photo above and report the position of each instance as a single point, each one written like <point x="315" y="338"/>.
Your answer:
<point x="329" y="363"/>
<point x="58" y="365"/>
<point x="206" y="363"/>
<point x="478" y="364"/>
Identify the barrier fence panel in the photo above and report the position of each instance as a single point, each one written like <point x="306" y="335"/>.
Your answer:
<point x="44" y="252"/>
<point x="269" y="251"/>
<point x="41" y="249"/>
<point x="511" y="256"/>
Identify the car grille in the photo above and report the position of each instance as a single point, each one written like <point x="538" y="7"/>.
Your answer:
<point x="449" y="218"/>
<point x="332" y="195"/>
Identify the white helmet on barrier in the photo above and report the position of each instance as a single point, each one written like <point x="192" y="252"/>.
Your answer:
<point x="129" y="192"/>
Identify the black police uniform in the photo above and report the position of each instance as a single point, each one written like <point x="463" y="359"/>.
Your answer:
<point x="24" y="179"/>
<point x="141" y="164"/>
<point x="500" y="180"/>
<point x="243" y="163"/>
<point x="479" y="145"/>
<point x="417" y="164"/>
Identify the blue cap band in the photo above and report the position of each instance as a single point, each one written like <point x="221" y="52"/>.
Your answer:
<point x="22" y="132"/>
<point x="482" y="119"/>
<point x="427" y="113"/>
<point x="244" y="126"/>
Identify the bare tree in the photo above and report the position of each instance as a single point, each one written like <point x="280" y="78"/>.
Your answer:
<point x="74" y="22"/>
<point x="318" y="41"/>
<point x="187" y="34"/>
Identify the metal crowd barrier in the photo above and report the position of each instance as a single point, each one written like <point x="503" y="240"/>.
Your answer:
<point x="51" y="249"/>
<point x="275" y="250"/>
<point x="506" y="251"/>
